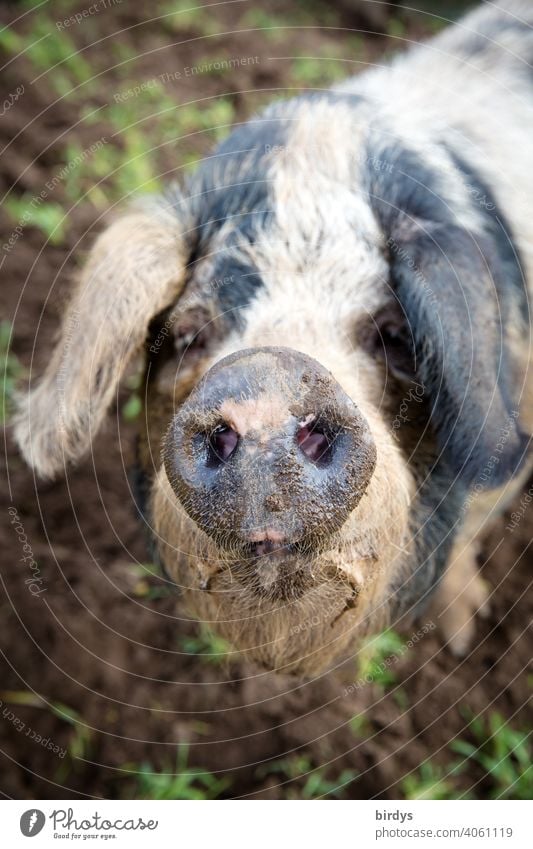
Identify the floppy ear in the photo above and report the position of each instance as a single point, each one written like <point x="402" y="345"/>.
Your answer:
<point x="459" y="297"/>
<point x="135" y="269"/>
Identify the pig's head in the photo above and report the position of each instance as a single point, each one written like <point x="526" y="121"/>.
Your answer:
<point x="311" y="422"/>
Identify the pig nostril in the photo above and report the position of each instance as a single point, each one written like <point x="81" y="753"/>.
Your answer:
<point x="315" y="444"/>
<point x="222" y="442"/>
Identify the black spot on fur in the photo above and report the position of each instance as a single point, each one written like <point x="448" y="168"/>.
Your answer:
<point x="511" y="276"/>
<point x="232" y="189"/>
<point x="239" y="282"/>
<point x="445" y="280"/>
<point x="457" y="290"/>
<point x="232" y="185"/>
<point x="404" y="184"/>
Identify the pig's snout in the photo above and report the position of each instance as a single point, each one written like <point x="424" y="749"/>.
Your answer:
<point x="268" y="453"/>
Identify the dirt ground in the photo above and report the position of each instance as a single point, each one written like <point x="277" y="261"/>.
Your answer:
<point x="101" y="674"/>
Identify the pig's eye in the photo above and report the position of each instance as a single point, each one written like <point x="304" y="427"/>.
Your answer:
<point x="193" y="332"/>
<point x="389" y="339"/>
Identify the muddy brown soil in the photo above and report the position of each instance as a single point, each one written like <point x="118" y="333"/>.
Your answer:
<point x="101" y="635"/>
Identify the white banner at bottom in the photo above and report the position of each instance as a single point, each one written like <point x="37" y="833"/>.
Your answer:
<point x="267" y="824"/>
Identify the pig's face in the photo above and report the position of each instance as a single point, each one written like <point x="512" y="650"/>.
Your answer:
<point x="319" y="397"/>
<point x="282" y="506"/>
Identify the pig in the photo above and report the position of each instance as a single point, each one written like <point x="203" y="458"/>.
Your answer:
<point x="334" y="315"/>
